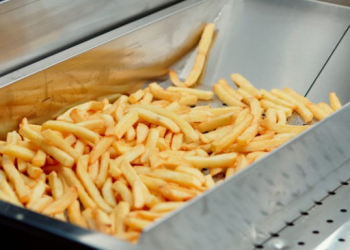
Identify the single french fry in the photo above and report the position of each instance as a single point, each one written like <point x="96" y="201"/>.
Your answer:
<point x="248" y="135"/>
<point x="209" y="182"/>
<point x="203" y="48"/>
<point x="120" y="212"/>
<point x="141" y="133"/>
<point x="137" y="96"/>
<point x="230" y="90"/>
<point x="217" y="121"/>
<point x="283" y="128"/>
<point x="103" y="170"/>
<point x="325" y="107"/>
<point x="176" y="177"/>
<point x="18" y="152"/>
<point x="201" y="94"/>
<point x="174" y="78"/>
<point x="242" y="82"/>
<point x="281" y="117"/>
<point x="163" y="94"/>
<point x="226" y="98"/>
<point x="75" y="129"/>
<point x="74" y="214"/>
<point x="217" y="161"/>
<point x="107" y="192"/>
<point x="242" y="163"/>
<point x="166" y="206"/>
<point x="124" y="192"/>
<point x="56" y="185"/>
<point x="334" y="101"/>
<point x="258" y="145"/>
<point x="125" y="123"/>
<point x="100" y="148"/>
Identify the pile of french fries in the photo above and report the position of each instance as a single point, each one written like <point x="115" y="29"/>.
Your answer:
<point x="116" y="167"/>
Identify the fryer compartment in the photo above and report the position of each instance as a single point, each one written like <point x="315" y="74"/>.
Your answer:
<point x="272" y="43"/>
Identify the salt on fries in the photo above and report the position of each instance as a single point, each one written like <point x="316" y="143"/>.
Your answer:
<point x="117" y="167"/>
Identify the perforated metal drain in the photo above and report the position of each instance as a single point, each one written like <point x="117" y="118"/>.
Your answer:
<point x="325" y="226"/>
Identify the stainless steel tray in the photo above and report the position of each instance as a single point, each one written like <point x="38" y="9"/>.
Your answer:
<point x="274" y="43"/>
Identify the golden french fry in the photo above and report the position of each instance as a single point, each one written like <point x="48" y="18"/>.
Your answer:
<point x="107" y="192"/>
<point x="123" y="191"/>
<point x="283" y="128"/>
<point x="166" y="206"/>
<point x="75" y="129"/>
<point x="242" y="82"/>
<point x="334" y="101"/>
<point x="176" y="177"/>
<point x="217" y="161"/>
<point x="17" y="151"/>
<point x="217" y="121"/>
<point x="248" y="135"/>
<point x="226" y="98"/>
<point x="203" y="48"/>
<point x="201" y="94"/>
<point x="157" y="119"/>
<point x="74" y="214"/>
<point x="162" y="94"/>
<point x="125" y="123"/>
<point x="269" y="96"/>
<point x="325" y="107"/>
<point x="100" y="148"/>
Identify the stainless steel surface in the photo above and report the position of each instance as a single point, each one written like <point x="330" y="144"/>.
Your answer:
<point x="336" y="74"/>
<point x="273" y="43"/>
<point x="325" y="226"/>
<point x="32" y="29"/>
<point x="277" y="43"/>
<point x="119" y="61"/>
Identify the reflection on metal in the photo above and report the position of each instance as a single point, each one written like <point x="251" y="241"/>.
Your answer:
<point x="32" y="29"/>
<point x="118" y="62"/>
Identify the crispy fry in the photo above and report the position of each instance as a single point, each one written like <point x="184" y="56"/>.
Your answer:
<point x="334" y="101"/>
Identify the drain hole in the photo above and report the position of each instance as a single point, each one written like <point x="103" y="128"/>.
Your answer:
<point x="341" y="239"/>
<point x="331" y="192"/>
<point x="344" y="183"/>
<point x="290" y="224"/>
<point x="304" y="213"/>
<point x="343" y="210"/>
<point x="315" y="232"/>
<point x="330" y="221"/>
<point x="259" y="246"/>
<point x="275" y="235"/>
<point x="301" y="243"/>
<point x="224" y="104"/>
<point x="318" y="203"/>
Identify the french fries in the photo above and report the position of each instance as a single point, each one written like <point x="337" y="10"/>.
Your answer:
<point x="118" y="167"/>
